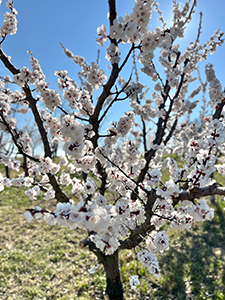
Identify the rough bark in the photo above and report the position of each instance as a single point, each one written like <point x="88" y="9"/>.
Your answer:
<point x="114" y="288"/>
<point x="196" y="192"/>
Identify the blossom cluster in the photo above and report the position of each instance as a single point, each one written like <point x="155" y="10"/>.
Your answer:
<point x="150" y="261"/>
<point x="78" y="99"/>
<point x="130" y="28"/>
<point x="93" y="216"/>
<point x="95" y="77"/>
<point x="10" y="22"/>
<point x="10" y="162"/>
<point x="50" y="97"/>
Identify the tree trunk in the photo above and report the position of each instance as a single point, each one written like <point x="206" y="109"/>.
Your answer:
<point x="114" y="288"/>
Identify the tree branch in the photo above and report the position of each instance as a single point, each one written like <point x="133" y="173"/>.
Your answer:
<point x="8" y="64"/>
<point x="196" y="192"/>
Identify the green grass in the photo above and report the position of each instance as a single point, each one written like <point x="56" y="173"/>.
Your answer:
<point x="42" y="262"/>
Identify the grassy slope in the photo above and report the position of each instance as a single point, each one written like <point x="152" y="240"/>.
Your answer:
<point x="42" y="262"/>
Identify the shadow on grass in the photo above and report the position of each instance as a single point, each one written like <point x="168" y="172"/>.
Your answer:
<point x="193" y="268"/>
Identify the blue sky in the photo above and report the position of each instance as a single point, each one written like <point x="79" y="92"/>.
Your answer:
<point x="42" y="25"/>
